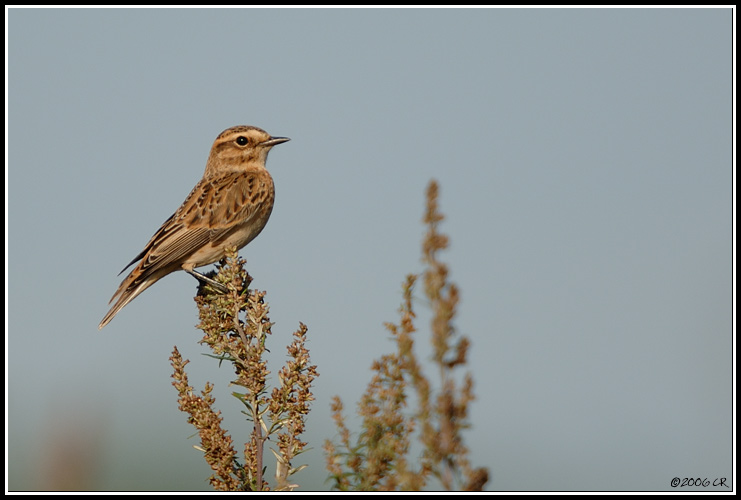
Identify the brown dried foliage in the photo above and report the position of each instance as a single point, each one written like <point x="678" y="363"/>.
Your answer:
<point x="379" y="458"/>
<point x="280" y="414"/>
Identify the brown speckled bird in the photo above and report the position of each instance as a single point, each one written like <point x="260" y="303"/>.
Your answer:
<point x="228" y="207"/>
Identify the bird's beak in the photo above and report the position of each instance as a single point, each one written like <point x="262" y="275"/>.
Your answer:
<point x="274" y="141"/>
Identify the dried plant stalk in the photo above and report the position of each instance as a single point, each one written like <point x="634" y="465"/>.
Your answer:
<point x="379" y="457"/>
<point x="236" y="327"/>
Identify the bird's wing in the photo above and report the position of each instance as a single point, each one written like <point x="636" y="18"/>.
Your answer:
<point x="214" y="207"/>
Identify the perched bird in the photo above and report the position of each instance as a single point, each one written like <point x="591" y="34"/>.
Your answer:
<point x="228" y="207"/>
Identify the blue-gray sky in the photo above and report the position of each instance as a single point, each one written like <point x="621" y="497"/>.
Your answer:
<point x="586" y="173"/>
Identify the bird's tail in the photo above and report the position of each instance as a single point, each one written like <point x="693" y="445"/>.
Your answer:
<point x="130" y="287"/>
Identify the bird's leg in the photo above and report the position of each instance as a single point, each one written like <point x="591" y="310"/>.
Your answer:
<point x="208" y="281"/>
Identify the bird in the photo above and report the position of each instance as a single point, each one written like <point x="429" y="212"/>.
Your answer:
<point x="228" y="207"/>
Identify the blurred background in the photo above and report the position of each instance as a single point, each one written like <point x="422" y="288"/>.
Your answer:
<point x="586" y="174"/>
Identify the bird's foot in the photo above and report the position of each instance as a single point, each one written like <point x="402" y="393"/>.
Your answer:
<point x="205" y="280"/>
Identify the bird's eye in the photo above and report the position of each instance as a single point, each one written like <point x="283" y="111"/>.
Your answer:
<point x="242" y="140"/>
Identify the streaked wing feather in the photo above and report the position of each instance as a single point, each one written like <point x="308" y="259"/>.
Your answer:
<point x="211" y="210"/>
